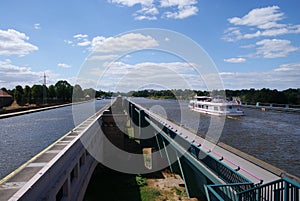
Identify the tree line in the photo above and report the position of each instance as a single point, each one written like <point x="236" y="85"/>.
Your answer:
<point x="61" y="92"/>
<point x="251" y="96"/>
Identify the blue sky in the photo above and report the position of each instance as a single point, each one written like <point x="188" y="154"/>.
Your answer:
<point x="253" y="44"/>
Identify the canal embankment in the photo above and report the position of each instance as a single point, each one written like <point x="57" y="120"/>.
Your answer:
<point x="31" y="109"/>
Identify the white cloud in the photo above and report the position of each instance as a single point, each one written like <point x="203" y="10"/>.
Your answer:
<point x="183" y="12"/>
<point x="274" y="48"/>
<point x="264" y="21"/>
<point x="144" y="17"/>
<point x="80" y="36"/>
<point x="185" y="8"/>
<point x="150" y="9"/>
<point x="12" y="75"/>
<point x="263" y="18"/>
<point x="120" y="76"/>
<point x="13" y="42"/>
<point x="131" y="41"/>
<point x="84" y="43"/>
<point x="80" y="40"/>
<point x="104" y="57"/>
<point x="291" y="68"/>
<point x="64" y="65"/>
<point x="37" y="26"/>
<point x="69" y="42"/>
<point x="113" y="45"/>
<point x="98" y="40"/>
<point x="235" y="60"/>
<point x="283" y="77"/>
<point x="131" y="3"/>
<point x="232" y="34"/>
<point x="146" y="13"/>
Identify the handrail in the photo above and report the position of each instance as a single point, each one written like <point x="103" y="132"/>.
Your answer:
<point x="224" y="192"/>
<point x="283" y="189"/>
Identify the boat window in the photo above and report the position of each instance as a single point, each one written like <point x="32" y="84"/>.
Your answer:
<point x="230" y="107"/>
<point x="216" y="108"/>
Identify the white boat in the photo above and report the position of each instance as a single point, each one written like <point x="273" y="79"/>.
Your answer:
<point x="216" y="106"/>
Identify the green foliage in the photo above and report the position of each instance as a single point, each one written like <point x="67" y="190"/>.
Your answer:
<point x="179" y="192"/>
<point x="51" y="92"/>
<point x="19" y="95"/>
<point x="27" y="94"/>
<point x="37" y="94"/>
<point x="149" y="194"/>
<point x="141" y="181"/>
<point x="89" y="93"/>
<point x="289" y="96"/>
<point x="63" y="91"/>
<point x="77" y="93"/>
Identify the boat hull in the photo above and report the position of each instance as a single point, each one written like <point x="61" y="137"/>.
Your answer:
<point x="217" y="113"/>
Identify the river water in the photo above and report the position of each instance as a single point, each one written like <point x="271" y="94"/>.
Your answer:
<point x="273" y="137"/>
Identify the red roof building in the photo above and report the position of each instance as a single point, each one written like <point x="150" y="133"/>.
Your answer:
<point x="5" y="99"/>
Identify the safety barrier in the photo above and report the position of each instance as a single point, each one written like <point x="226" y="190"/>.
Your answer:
<point x="280" y="190"/>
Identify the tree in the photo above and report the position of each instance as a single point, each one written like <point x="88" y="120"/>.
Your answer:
<point x="91" y="93"/>
<point x="51" y="92"/>
<point x="27" y="94"/>
<point x="77" y="93"/>
<point x="19" y="95"/>
<point x="4" y="89"/>
<point x="63" y="91"/>
<point x="37" y="93"/>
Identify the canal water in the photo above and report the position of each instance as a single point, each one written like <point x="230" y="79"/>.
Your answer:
<point x="273" y="137"/>
<point x="22" y="137"/>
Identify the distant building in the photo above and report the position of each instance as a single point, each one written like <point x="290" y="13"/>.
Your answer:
<point x="5" y="99"/>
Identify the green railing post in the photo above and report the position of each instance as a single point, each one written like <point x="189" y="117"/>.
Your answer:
<point x="169" y="162"/>
<point x="286" y="190"/>
<point x="182" y="173"/>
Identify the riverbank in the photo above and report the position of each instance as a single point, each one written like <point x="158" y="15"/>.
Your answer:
<point x="16" y="110"/>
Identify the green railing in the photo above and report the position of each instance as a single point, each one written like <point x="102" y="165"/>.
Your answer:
<point x="280" y="190"/>
<point x="226" y="192"/>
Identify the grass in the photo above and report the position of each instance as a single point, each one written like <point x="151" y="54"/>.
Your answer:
<point x="149" y="194"/>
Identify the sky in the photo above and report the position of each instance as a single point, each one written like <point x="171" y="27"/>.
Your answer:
<point x="123" y="45"/>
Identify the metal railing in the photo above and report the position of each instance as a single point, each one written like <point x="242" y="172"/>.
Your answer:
<point x="280" y="190"/>
<point x="225" y="192"/>
<point x="228" y="174"/>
